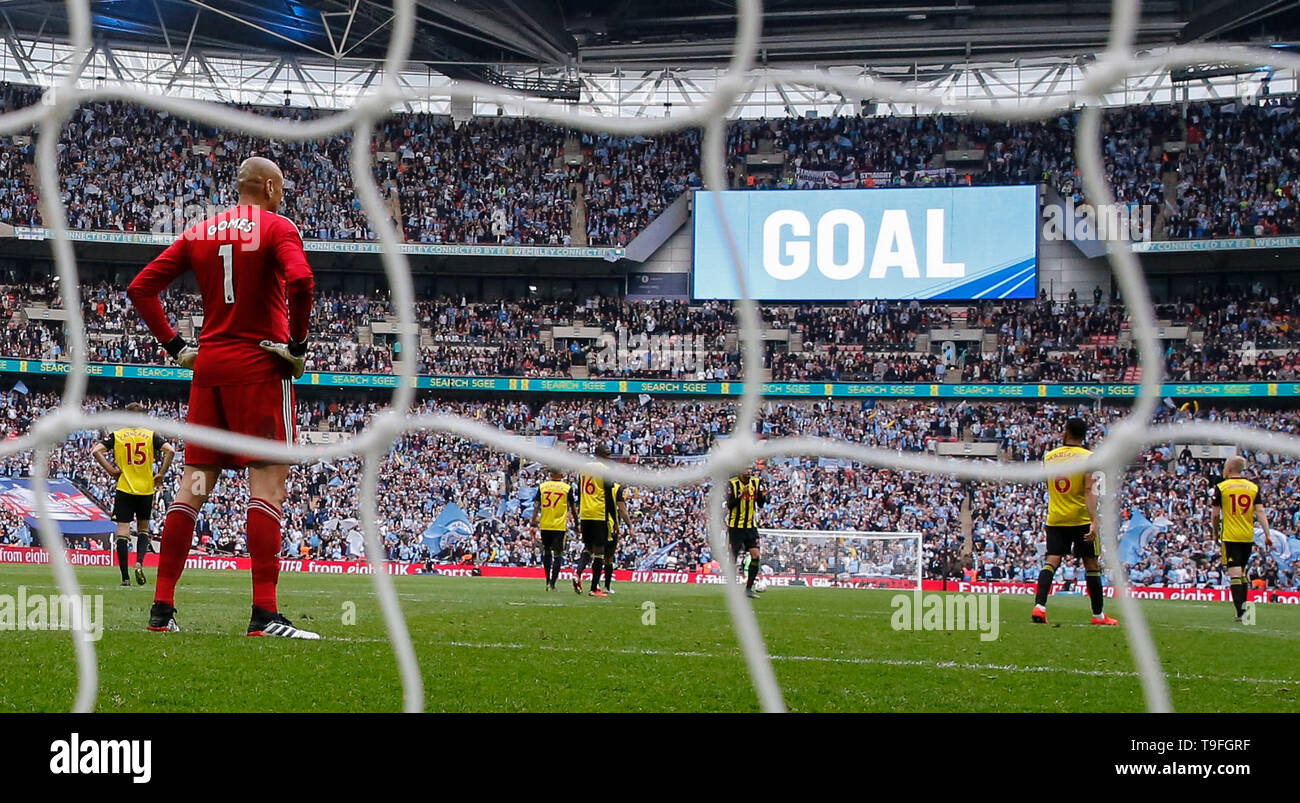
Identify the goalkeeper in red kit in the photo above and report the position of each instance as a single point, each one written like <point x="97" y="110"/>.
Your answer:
<point x="257" y="288"/>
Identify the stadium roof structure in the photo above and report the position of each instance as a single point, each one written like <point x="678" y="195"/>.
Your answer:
<point x="618" y="57"/>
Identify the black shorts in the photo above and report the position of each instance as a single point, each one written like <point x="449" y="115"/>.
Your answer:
<point x="1069" y="541"/>
<point x="553" y="540"/>
<point x="1237" y="553"/>
<point x="611" y="543"/>
<point x="594" y="535"/>
<point x="132" y="507"/>
<point x="743" y="539"/>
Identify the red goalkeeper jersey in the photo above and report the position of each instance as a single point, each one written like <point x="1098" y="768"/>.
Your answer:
<point x="255" y="283"/>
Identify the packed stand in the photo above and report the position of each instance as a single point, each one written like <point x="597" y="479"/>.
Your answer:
<point x="425" y="471"/>
<point x="517" y="181"/>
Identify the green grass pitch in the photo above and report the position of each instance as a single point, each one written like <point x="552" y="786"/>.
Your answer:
<point x="506" y="645"/>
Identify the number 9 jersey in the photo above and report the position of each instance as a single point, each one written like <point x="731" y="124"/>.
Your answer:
<point x="1067" y="504"/>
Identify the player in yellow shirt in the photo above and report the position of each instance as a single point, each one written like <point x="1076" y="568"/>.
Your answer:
<point x="1071" y="524"/>
<point x="745" y="495"/>
<point x="594" y="501"/>
<point x="617" y="517"/>
<point x="1236" y="509"/>
<point x="134" y="450"/>
<point x="553" y="512"/>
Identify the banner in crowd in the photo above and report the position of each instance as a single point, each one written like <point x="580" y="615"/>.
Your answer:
<point x="1224" y="244"/>
<point x="1218" y="594"/>
<point x="806" y="179"/>
<point x="451" y="525"/>
<point x="105" y="558"/>
<point x="72" y="511"/>
<point x="651" y="387"/>
<point x="349" y="246"/>
<point x="953" y="243"/>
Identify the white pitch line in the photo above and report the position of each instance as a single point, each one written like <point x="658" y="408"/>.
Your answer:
<point x="822" y="659"/>
<point x="965" y="667"/>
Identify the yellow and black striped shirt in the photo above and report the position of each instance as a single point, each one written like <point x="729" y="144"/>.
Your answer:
<point x="743" y="500"/>
<point x="611" y="511"/>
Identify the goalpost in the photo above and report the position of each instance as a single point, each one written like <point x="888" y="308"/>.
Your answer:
<point x="1120" y="61"/>
<point x="842" y="558"/>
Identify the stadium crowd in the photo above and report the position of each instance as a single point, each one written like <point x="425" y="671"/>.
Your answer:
<point x="1224" y="169"/>
<point x="426" y="471"/>
<point x="1246" y="334"/>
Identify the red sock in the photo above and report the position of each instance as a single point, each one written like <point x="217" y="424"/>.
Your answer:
<point x="264" y="549"/>
<point x="177" y="535"/>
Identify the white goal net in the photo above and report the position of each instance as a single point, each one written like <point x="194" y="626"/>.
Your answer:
<point x="1119" y="60"/>
<point x="841" y="558"/>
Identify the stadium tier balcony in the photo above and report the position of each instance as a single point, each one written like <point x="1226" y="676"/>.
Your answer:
<point x="1211" y="338"/>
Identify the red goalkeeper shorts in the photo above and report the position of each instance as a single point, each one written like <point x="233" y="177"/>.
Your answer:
<point x="260" y="409"/>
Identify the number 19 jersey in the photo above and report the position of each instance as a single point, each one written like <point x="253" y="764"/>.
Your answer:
<point x="1237" y="498"/>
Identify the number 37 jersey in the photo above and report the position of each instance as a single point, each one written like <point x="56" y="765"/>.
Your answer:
<point x="554" y="498"/>
<point x="1067" y="504"/>
<point x="1236" y="498"/>
<point x="246" y="261"/>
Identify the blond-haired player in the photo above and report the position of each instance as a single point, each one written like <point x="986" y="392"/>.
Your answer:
<point x="1236" y="509"/>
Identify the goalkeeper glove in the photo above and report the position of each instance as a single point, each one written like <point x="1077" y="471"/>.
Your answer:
<point x="293" y="352"/>
<point x="183" y="353"/>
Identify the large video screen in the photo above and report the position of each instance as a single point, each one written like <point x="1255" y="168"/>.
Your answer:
<point x="958" y="243"/>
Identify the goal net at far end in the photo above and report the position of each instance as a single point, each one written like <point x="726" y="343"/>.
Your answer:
<point x="841" y="558"/>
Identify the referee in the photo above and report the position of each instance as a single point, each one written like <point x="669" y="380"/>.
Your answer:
<point x="745" y="495"/>
<point x="135" y="450"/>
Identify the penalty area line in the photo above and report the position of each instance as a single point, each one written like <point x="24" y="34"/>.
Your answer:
<point x="828" y="659"/>
<point x="823" y="659"/>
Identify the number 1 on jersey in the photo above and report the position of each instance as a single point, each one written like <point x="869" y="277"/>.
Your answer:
<point x="227" y="254"/>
